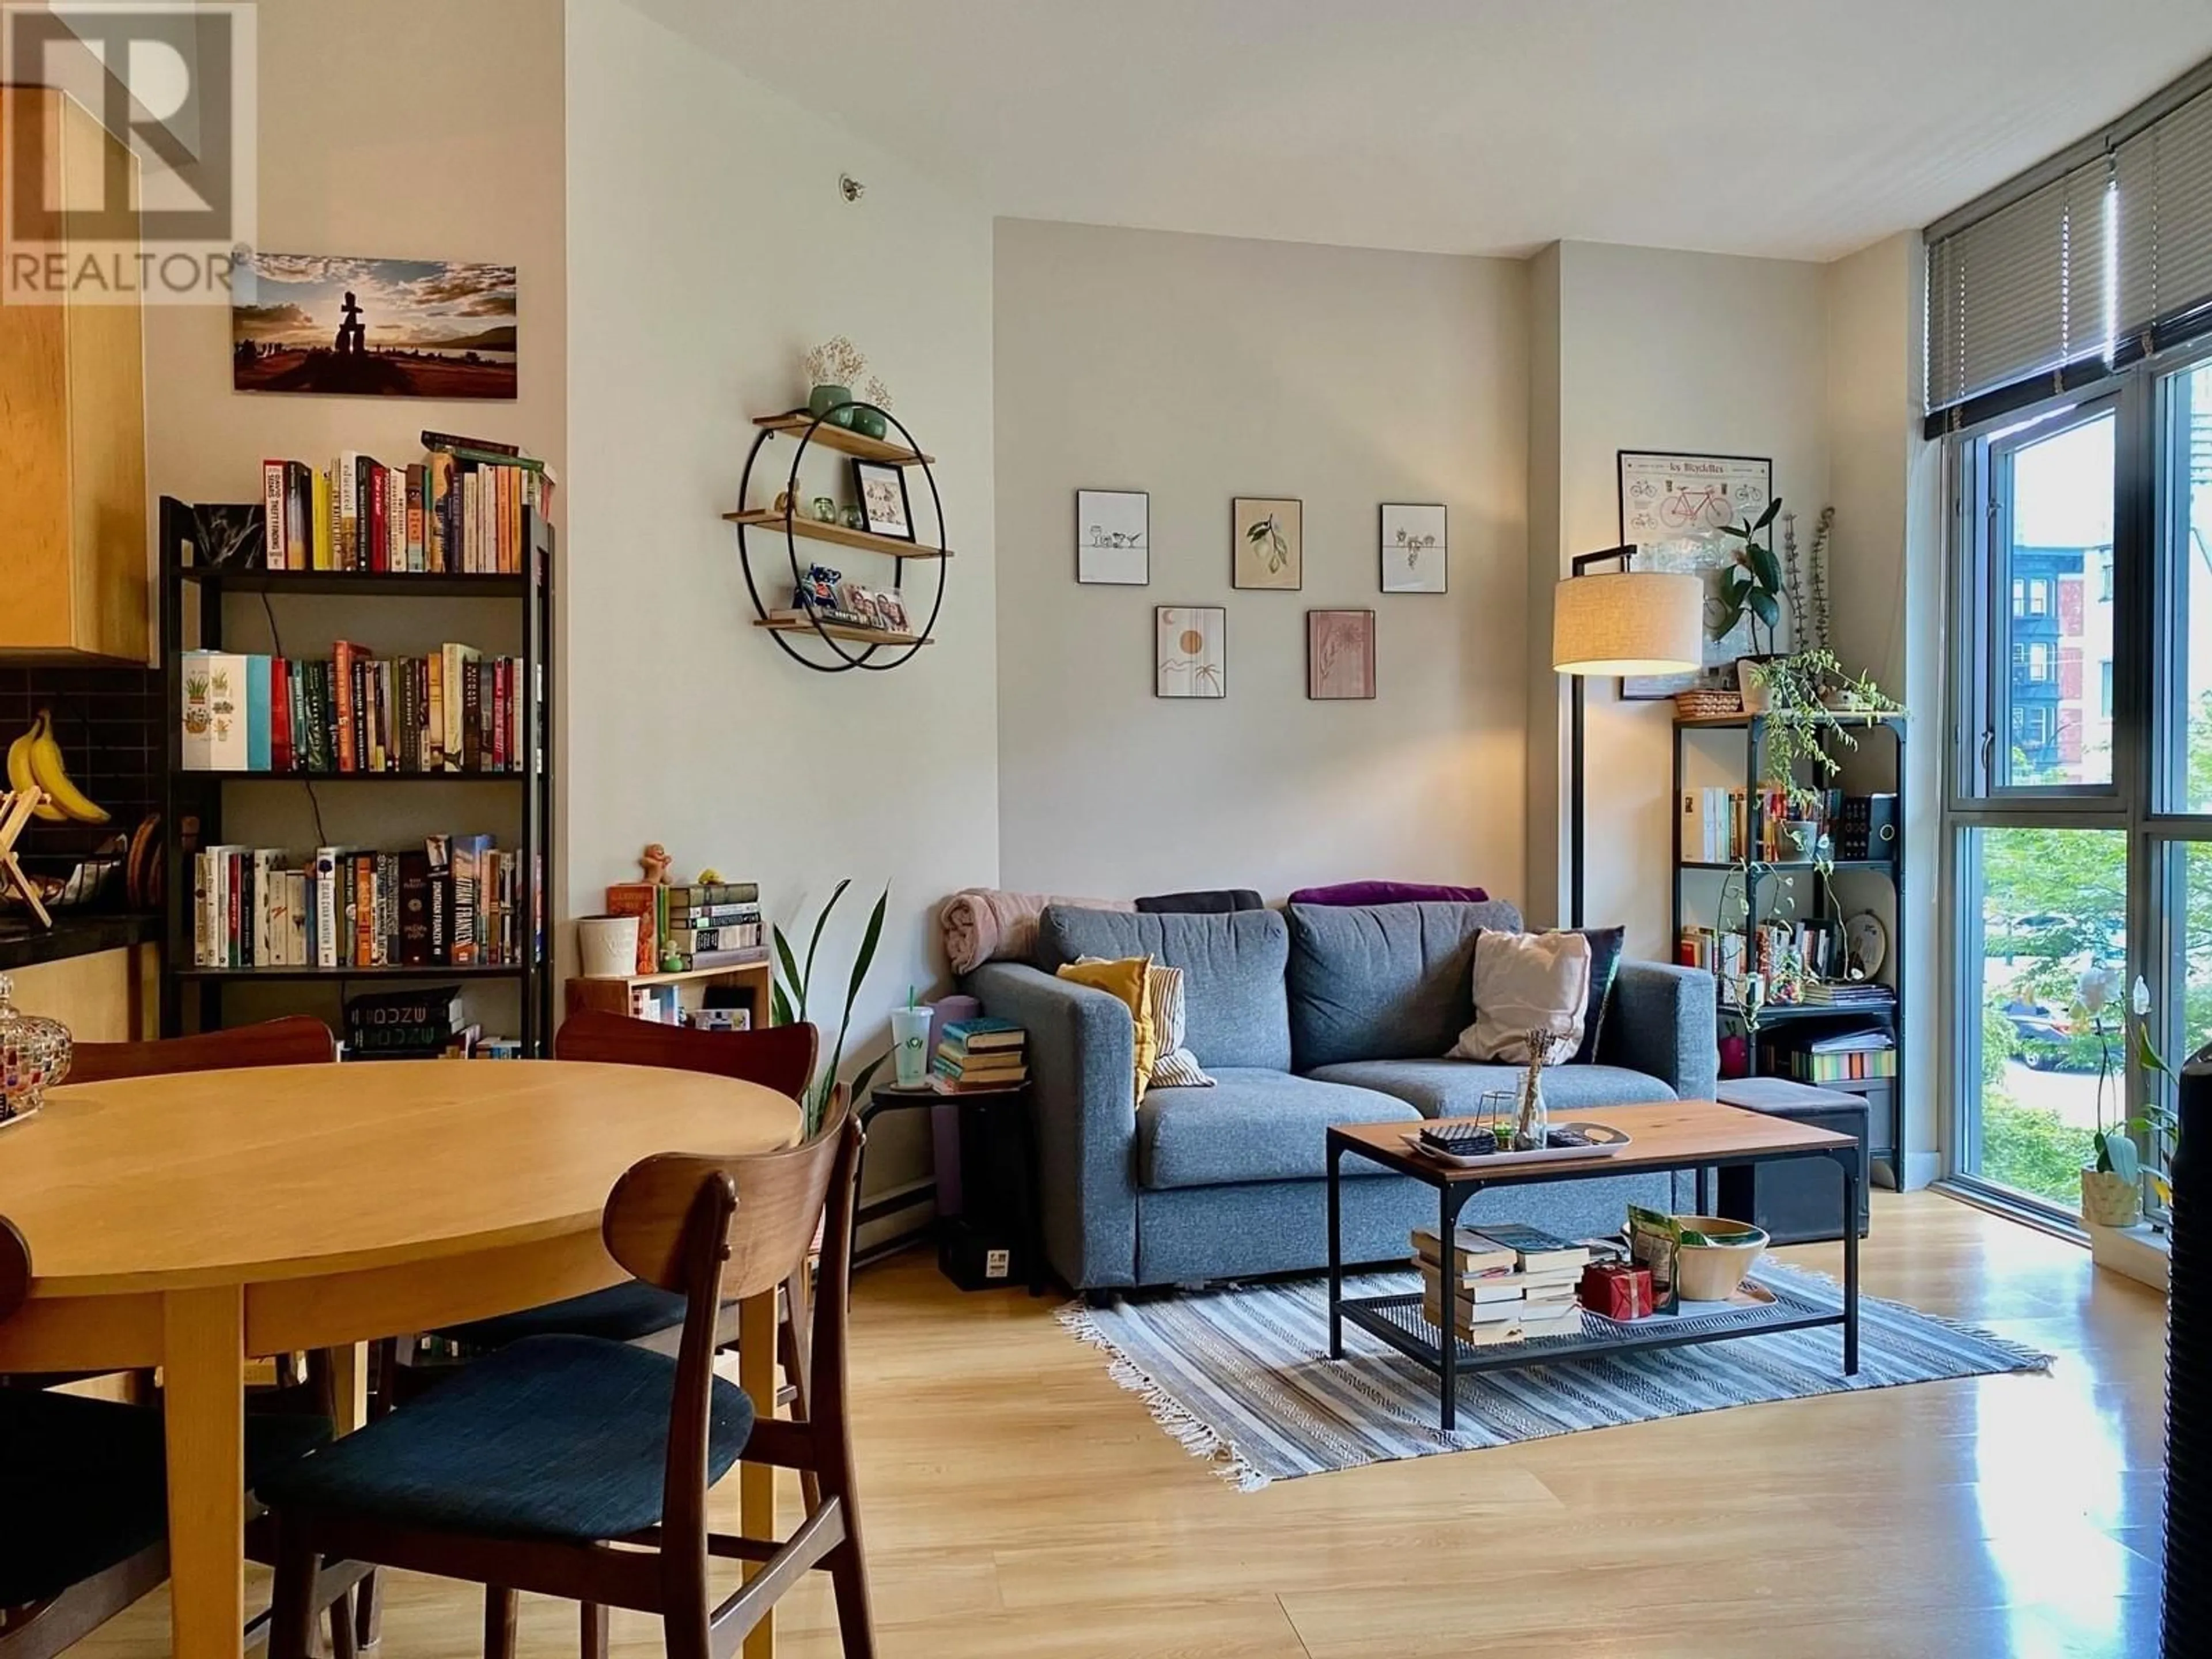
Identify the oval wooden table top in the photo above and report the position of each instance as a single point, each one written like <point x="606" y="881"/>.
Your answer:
<point x="228" y="1177"/>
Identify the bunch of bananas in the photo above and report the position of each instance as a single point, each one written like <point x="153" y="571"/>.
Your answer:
<point x="35" y="767"/>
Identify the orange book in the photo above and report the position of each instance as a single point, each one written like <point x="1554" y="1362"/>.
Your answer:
<point x="639" y="899"/>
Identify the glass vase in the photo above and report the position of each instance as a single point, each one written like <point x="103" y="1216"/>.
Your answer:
<point x="34" y="1056"/>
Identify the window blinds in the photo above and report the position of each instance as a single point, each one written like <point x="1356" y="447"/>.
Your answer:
<point x="2090" y="262"/>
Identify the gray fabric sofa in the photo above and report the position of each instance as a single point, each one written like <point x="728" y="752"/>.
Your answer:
<point x="1306" y="1018"/>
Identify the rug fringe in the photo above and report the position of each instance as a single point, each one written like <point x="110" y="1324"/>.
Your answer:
<point x="2033" y="1360"/>
<point x="1200" y="1439"/>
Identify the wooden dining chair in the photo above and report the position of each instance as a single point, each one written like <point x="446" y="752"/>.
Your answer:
<point x="296" y="1039"/>
<point x="84" y="1504"/>
<point x="579" y="1467"/>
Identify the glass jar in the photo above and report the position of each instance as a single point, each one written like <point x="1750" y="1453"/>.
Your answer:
<point x="34" y="1054"/>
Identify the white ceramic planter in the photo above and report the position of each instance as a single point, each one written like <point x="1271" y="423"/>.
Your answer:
<point x="2108" y="1199"/>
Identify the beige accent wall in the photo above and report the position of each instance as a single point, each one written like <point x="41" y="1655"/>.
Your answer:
<point x="709" y="246"/>
<point x="1200" y="368"/>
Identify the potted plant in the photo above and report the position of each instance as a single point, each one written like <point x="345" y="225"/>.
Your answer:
<point x="831" y="369"/>
<point x="2113" y="1180"/>
<point x="1751" y="587"/>
<point x="793" y="981"/>
<point x="1807" y="698"/>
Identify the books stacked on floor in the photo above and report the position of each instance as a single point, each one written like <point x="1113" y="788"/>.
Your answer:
<point x="453" y="903"/>
<point x="1844" y="1057"/>
<point x="458" y="510"/>
<point x="975" y="1055"/>
<point x="685" y="925"/>
<point x="1508" y="1281"/>
<point x="457" y="711"/>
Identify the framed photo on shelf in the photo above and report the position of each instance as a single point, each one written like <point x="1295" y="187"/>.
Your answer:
<point x="1339" y="655"/>
<point x="885" y="510"/>
<point x="1416" y="556"/>
<point x="1268" y="542"/>
<point x="1673" y="506"/>
<point x="1114" y="538"/>
<point x="1190" y="651"/>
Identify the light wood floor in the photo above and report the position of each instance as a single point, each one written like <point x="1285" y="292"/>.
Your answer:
<point x="1019" y="1504"/>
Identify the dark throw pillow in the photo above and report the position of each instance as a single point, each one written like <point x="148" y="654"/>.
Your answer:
<point x="1605" y="945"/>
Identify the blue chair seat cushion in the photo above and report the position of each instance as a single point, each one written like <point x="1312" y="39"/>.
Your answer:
<point x="553" y="1438"/>
<point x="620" y="1313"/>
<point x="83" y="1483"/>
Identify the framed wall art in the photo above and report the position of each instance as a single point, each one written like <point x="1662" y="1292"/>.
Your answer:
<point x="1416" y="556"/>
<point x="1339" y="655"/>
<point x="1114" y="536"/>
<point x="1190" y="651"/>
<point x="1674" y="505"/>
<point x="885" y="510"/>
<point x="1268" y="542"/>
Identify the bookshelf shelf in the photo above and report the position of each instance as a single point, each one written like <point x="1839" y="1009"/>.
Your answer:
<point x="799" y="525"/>
<point x="192" y="601"/>
<point x="796" y="424"/>
<point x="839" y="631"/>
<point x="1791" y="866"/>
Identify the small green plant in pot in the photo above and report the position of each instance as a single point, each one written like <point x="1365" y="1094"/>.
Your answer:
<point x="1752" y="589"/>
<point x="794" y="979"/>
<point x="2112" y="1183"/>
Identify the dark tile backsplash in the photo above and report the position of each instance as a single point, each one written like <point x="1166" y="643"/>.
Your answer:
<point x="109" y="724"/>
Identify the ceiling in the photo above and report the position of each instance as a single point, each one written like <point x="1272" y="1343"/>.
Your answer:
<point x="1798" y="129"/>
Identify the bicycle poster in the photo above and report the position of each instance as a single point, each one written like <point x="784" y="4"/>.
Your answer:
<point x="1673" y="506"/>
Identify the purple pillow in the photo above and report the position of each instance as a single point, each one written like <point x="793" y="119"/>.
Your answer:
<point x="1346" y="893"/>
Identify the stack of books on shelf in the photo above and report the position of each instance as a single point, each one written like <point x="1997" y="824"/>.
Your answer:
<point x="458" y="510"/>
<point x="1507" y="1280"/>
<point x="687" y="926"/>
<point x="454" y="904"/>
<point x="458" y="711"/>
<point x="975" y="1055"/>
<point x="1844" y="1057"/>
<point x="424" y="1024"/>
<point x="1716" y="823"/>
<point x="1849" y="994"/>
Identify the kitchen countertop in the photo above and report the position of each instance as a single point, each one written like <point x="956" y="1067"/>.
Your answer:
<point x="24" y="943"/>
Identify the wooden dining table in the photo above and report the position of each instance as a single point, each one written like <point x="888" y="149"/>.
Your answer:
<point x="197" y="1220"/>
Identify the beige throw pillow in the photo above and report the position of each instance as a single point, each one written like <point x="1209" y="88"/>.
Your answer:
<point x="1526" y="982"/>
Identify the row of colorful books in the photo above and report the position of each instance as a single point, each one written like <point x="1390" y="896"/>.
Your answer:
<point x="457" y="711"/>
<point x="690" y="925"/>
<point x="976" y="1055"/>
<point x="460" y="509"/>
<point x="456" y="903"/>
<point x="1507" y="1280"/>
<point x="1716" y="823"/>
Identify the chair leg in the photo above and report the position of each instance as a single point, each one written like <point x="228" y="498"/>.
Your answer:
<point x="291" y="1611"/>
<point x="498" y="1622"/>
<point x="342" y="1643"/>
<point x="593" y="1618"/>
<point x="797" y="1366"/>
<point x="368" y="1610"/>
<point x="848" y="1578"/>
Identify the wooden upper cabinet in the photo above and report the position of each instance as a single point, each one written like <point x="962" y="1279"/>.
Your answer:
<point x="73" y="546"/>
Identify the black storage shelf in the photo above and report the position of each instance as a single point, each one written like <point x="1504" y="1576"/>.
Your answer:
<point x="192" y="800"/>
<point x="1760" y="881"/>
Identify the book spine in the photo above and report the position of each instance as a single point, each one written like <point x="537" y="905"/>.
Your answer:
<point x="272" y="514"/>
<point x="416" y="559"/>
<point x="326" y="902"/>
<point x="299" y="512"/>
<point x="195" y="752"/>
<point x="471" y="716"/>
<point x="203" y="953"/>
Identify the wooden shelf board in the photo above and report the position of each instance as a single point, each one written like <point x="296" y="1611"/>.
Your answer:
<point x="837" y="631"/>
<point x="415" y="585"/>
<point x="688" y="976"/>
<point x="192" y="775"/>
<point x="842" y="438"/>
<point x="1831" y="718"/>
<point x="389" y="970"/>
<point x="767" y="518"/>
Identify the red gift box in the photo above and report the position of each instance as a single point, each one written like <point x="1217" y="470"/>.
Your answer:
<point x="1616" y="1289"/>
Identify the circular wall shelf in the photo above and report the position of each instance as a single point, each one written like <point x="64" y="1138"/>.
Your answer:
<point x="791" y="632"/>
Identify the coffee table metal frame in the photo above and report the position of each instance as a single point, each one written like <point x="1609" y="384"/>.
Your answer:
<point x="1451" y="1358"/>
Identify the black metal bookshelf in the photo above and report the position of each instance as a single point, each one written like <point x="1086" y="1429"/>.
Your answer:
<point x="1884" y="1096"/>
<point x="193" y="801"/>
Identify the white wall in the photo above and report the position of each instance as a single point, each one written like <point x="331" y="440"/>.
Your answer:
<point x="1200" y="368"/>
<point x="709" y="246"/>
<point x="1657" y="349"/>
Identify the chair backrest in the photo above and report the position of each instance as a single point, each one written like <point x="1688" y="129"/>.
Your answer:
<point x="14" y="1269"/>
<point x="295" y="1040"/>
<point x="779" y="1057"/>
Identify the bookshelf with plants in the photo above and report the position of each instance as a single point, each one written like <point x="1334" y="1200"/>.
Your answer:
<point x="315" y="661"/>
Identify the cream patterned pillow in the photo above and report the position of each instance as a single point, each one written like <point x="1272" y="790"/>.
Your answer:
<point x="1175" y="1067"/>
<point x="1526" y="982"/>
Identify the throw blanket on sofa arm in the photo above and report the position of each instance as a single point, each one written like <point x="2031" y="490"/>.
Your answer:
<point x="987" y="924"/>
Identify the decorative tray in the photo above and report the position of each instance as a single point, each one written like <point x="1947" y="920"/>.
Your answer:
<point x="1595" y="1141"/>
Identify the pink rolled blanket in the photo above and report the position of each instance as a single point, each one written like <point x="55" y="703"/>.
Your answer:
<point x="987" y="924"/>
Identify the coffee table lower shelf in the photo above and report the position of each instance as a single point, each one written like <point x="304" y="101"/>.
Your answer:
<point x="1397" y="1321"/>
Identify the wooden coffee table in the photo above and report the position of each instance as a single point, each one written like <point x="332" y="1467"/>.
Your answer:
<point x="1699" y="1135"/>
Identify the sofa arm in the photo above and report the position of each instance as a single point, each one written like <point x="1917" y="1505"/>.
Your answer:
<point x="1661" y="1022"/>
<point x="1082" y="1063"/>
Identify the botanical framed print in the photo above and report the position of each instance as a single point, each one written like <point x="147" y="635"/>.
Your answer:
<point x="1191" y="651"/>
<point x="1268" y="542"/>
<point x="1114" y="536"/>
<point x="1673" y="506"/>
<point x="883" y="508"/>
<point x="1339" y="655"/>
<point x="1416" y="558"/>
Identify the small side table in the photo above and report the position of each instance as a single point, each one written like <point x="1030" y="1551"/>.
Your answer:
<point x="889" y="1097"/>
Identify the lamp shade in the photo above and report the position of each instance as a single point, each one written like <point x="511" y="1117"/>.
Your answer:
<point x="1631" y="622"/>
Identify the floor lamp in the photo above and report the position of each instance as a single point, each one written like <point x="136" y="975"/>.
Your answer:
<point x="1619" y="621"/>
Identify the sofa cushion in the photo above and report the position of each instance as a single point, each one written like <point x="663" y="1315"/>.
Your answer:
<point x="1236" y="1011"/>
<point x="1386" y="981"/>
<point x="1455" y="1088"/>
<point x="1254" y="1124"/>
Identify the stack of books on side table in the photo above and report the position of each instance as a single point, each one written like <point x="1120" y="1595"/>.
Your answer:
<point x="974" y="1055"/>
<point x="1508" y="1281"/>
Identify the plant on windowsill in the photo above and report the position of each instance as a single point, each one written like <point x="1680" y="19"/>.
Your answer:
<point x="2113" y="1182"/>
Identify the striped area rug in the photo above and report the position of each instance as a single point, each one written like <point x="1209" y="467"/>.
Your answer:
<point x="1242" y="1376"/>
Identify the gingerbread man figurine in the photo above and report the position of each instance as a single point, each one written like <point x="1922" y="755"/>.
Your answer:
<point x="654" y="862"/>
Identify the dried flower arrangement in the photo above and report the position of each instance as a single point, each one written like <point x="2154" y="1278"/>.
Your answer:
<point x="836" y="362"/>
<point x="878" y="393"/>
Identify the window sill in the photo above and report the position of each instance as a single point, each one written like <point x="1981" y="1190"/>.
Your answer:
<point x="2139" y="1252"/>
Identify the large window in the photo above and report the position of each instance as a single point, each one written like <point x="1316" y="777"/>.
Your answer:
<point x="2079" y="809"/>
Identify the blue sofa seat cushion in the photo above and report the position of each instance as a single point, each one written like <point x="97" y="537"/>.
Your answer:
<point x="556" y="1436"/>
<point x="1236" y="1009"/>
<point x="1455" y="1088"/>
<point x="1253" y="1125"/>
<point x="84" y="1484"/>
<point x="620" y="1313"/>
<point x="1380" y="982"/>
